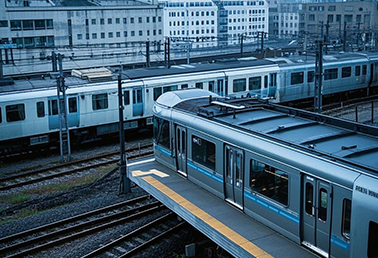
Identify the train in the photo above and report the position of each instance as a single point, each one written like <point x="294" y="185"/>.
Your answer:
<point x="311" y="177"/>
<point x="29" y="118"/>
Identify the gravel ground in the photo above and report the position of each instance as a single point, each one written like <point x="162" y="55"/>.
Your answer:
<point x="56" y="206"/>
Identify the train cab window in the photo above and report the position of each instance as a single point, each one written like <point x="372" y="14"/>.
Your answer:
<point x="40" y="109"/>
<point x="72" y="105"/>
<point x="211" y="86"/>
<point x="357" y="72"/>
<point x="310" y="76"/>
<point x="297" y="78"/>
<point x="126" y="97"/>
<point x="330" y="74"/>
<point x="323" y="204"/>
<point x="203" y="152"/>
<point x="100" y="101"/>
<point x="169" y="88"/>
<point x="199" y="85"/>
<point x="15" y="112"/>
<point x="364" y="70"/>
<point x="157" y="92"/>
<point x="184" y="86"/>
<point x="254" y="83"/>
<point x="373" y="240"/>
<point x="161" y="132"/>
<point x="346" y="72"/>
<point x="345" y="227"/>
<point x="269" y="181"/>
<point x="240" y="85"/>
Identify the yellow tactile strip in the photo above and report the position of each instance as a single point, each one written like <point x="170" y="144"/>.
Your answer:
<point x="207" y="218"/>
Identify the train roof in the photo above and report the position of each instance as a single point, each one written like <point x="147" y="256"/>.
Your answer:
<point x="192" y="68"/>
<point x="336" y="139"/>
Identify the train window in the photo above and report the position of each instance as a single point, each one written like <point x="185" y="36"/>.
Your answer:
<point x="273" y="80"/>
<point x="137" y="96"/>
<point x="323" y="201"/>
<point x="72" y="105"/>
<point x="157" y="92"/>
<point x="373" y="240"/>
<point x="346" y="72"/>
<point x="309" y="199"/>
<point x="199" y="85"/>
<point x="330" y="74"/>
<point x="211" y="86"/>
<point x="358" y="70"/>
<point x="184" y="86"/>
<point x="126" y="97"/>
<point x="100" y="101"/>
<point x="40" y="109"/>
<point x="345" y="228"/>
<point x="169" y="88"/>
<point x="297" y="78"/>
<point x="255" y="83"/>
<point x="364" y="70"/>
<point x="269" y="181"/>
<point x="203" y="152"/>
<point x="161" y="132"/>
<point x="240" y="85"/>
<point x="15" y="112"/>
<point x="310" y="76"/>
<point x="266" y="81"/>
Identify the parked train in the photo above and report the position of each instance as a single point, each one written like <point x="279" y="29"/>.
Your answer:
<point x="29" y="118"/>
<point x="310" y="177"/>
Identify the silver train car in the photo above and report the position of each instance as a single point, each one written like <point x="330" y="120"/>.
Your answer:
<point x="29" y="118"/>
<point x="310" y="177"/>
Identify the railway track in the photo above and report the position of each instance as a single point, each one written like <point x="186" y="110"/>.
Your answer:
<point x="41" y="238"/>
<point x="32" y="177"/>
<point x="139" y="239"/>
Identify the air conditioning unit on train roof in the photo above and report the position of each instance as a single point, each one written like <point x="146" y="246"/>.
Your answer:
<point x="93" y="74"/>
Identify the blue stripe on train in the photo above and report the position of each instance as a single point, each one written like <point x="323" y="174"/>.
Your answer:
<point x="205" y="172"/>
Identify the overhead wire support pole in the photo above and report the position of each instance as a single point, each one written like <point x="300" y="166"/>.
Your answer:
<point x="241" y="44"/>
<point x="64" y="134"/>
<point x="318" y="78"/>
<point x="148" y="64"/>
<point x="124" y="180"/>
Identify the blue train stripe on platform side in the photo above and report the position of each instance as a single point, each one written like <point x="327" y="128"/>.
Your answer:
<point x="339" y="242"/>
<point x="203" y="171"/>
<point x="164" y="151"/>
<point x="275" y="209"/>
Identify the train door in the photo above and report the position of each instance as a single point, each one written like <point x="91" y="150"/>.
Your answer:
<point x="181" y="150"/>
<point x="73" y="111"/>
<point x="137" y="101"/>
<point x="234" y="176"/>
<point x="219" y="88"/>
<point x="317" y="208"/>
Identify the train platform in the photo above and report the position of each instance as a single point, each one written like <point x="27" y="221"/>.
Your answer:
<point x="234" y="231"/>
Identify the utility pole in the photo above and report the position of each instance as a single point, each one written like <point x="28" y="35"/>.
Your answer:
<point x="326" y="37"/>
<point x="166" y="53"/>
<point x="148" y="53"/>
<point x="344" y="37"/>
<point x="64" y="134"/>
<point x="318" y="78"/>
<point x="188" y="45"/>
<point x="124" y="180"/>
<point x="241" y="44"/>
<point x="53" y="61"/>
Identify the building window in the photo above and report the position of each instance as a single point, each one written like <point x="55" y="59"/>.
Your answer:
<point x="15" y="25"/>
<point x="102" y="21"/>
<point x="311" y="17"/>
<point x="93" y="21"/>
<point x="118" y="34"/>
<point x="110" y="35"/>
<point x="79" y="36"/>
<point x="348" y="18"/>
<point x="125" y="34"/>
<point x="3" y="24"/>
<point x="132" y="20"/>
<point x="100" y="101"/>
<point x="117" y="21"/>
<point x="15" y="112"/>
<point x="154" y="19"/>
<point x="140" y="20"/>
<point x="49" y="24"/>
<point x="159" y="19"/>
<point x="102" y="35"/>
<point x="140" y="33"/>
<point x="148" y="19"/>
<point x="110" y="21"/>
<point x="94" y="35"/>
<point x="269" y="181"/>
<point x="87" y="36"/>
<point x="132" y="33"/>
<point x="40" y="24"/>
<point x="28" y="25"/>
<point x="124" y="20"/>
<point x="332" y="8"/>
<point x="203" y="152"/>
